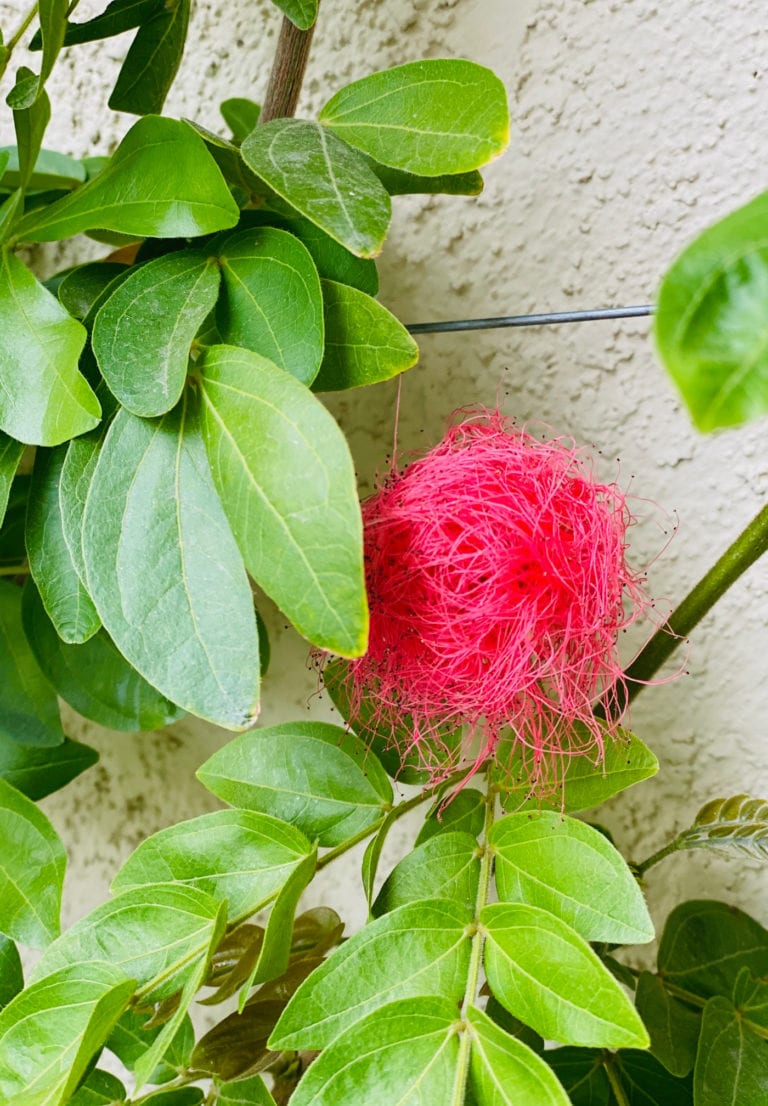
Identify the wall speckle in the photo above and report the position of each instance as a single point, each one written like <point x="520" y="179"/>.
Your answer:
<point x="634" y="125"/>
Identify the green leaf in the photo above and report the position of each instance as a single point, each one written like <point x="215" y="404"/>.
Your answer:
<point x="29" y="712"/>
<point x="158" y="933"/>
<point x="11" y="973"/>
<point x="705" y="944"/>
<point x="37" y="772"/>
<point x="100" y="1089"/>
<point x="164" y="572"/>
<point x="52" y="15"/>
<point x="406" y="1053"/>
<point x="310" y="774"/>
<point x="231" y="855"/>
<point x="427" y="117"/>
<point x="644" y="1082"/>
<point x="372" y="855"/>
<point x="465" y="813"/>
<point x="181" y="1096"/>
<point x="13" y="551"/>
<point x="245" y="1092"/>
<point x="161" y="182"/>
<point x="332" y="260"/>
<point x="505" y="1072"/>
<point x="82" y="286"/>
<point x="750" y="997"/>
<point x="143" y="332"/>
<point x="72" y="1012"/>
<point x="302" y="13"/>
<point x="286" y="479"/>
<point x="152" y="60"/>
<point x="275" y="951"/>
<point x="710" y="324"/>
<point x="570" y="869"/>
<point x="673" y="1027"/>
<point x="548" y="976"/>
<point x="582" y="1072"/>
<point x="131" y="1039"/>
<point x="77" y="473"/>
<point x="323" y="179"/>
<point x="94" y="678"/>
<point x="148" y="1063"/>
<point x="398" y="182"/>
<point x="739" y="823"/>
<point x="30" y="121"/>
<point x="45" y="400"/>
<point x="445" y="867"/>
<point x="364" y="342"/>
<point x="118" y="16"/>
<point x="49" y="171"/>
<point x="66" y="601"/>
<point x="263" y="271"/>
<point x="426" y="941"/>
<point x="586" y="783"/>
<point x="732" y="1061"/>
<point x="10" y="455"/>
<point x="241" y="116"/>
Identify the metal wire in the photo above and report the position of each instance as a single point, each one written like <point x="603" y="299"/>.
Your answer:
<point x="554" y="317"/>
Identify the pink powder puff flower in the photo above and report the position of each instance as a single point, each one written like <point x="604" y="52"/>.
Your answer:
<point x="498" y="584"/>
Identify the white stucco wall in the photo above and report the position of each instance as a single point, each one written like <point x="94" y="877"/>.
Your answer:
<point x="635" y="124"/>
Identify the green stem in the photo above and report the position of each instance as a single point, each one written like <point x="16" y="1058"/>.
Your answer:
<point x="618" y="1091"/>
<point x="644" y="865"/>
<point x="750" y="544"/>
<point x="476" y="955"/>
<point x="14" y="570"/>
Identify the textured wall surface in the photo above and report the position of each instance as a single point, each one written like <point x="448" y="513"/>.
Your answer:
<point x="635" y="124"/>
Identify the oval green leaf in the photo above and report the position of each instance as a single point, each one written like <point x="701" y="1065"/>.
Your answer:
<point x="32" y="866"/>
<point x="29" y="711"/>
<point x="546" y="975"/>
<point x="156" y="933"/>
<point x="287" y="483"/>
<point x="72" y="1012"/>
<point x="80" y="288"/>
<point x="572" y="870"/>
<point x="428" y="117"/>
<point x="407" y="1053"/>
<point x="710" y="322"/>
<point x="673" y="1027"/>
<point x="45" y="399"/>
<point x="232" y="855"/>
<point x="143" y="332"/>
<point x="465" y="813"/>
<point x="161" y="182"/>
<point x="152" y="61"/>
<point x="705" y="944"/>
<point x="271" y="301"/>
<point x="311" y="774"/>
<point x="445" y="867"/>
<point x="100" y="1089"/>
<point x="332" y="260"/>
<point x="323" y="179"/>
<point x="245" y="1092"/>
<point x="37" y="772"/>
<point x="586" y="782"/>
<point x="66" y="601"/>
<point x="94" y="677"/>
<point x="505" y="1072"/>
<point x="164" y="572"/>
<point x="421" y="949"/>
<point x="731" y="1062"/>
<point x="364" y="343"/>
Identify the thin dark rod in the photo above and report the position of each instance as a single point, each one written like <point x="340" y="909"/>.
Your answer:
<point x="639" y="312"/>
